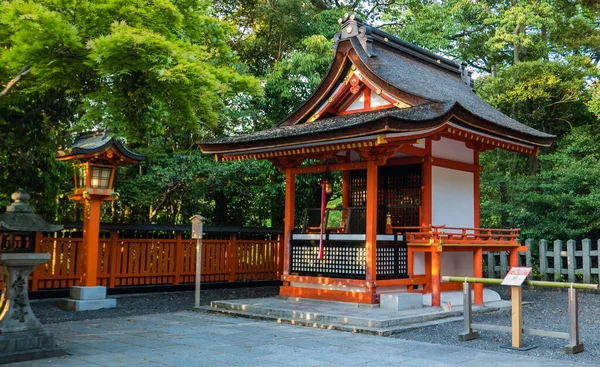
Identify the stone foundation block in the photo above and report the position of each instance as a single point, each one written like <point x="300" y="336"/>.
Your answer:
<point x="88" y="293"/>
<point x="88" y="305"/>
<point x="401" y="301"/>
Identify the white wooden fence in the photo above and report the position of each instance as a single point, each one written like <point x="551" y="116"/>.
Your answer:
<point x="570" y="261"/>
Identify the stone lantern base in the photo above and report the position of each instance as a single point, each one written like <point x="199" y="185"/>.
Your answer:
<point x="22" y="337"/>
<point x="27" y="346"/>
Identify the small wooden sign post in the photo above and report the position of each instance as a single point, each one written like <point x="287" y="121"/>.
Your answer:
<point x="515" y="278"/>
<point x="197" y="222"/>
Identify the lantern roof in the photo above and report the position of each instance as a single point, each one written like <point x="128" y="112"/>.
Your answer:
<point x="378" y="83"/>
<point x="197" y="217"/>
<point x="19" y="217"/>
<point x="100" y="145"/>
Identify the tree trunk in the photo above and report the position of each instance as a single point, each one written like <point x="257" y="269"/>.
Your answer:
<point x="219" y="214"/>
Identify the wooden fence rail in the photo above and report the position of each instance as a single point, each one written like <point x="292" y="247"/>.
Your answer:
<point x="132" y="258"/>
<point x="570" y="261"/>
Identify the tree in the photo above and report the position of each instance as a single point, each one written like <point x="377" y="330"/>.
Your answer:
<point x="158" y="72"/>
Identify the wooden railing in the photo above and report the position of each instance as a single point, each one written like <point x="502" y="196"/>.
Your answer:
<point x="163" y="255"/>
<point x="458" y="235"/>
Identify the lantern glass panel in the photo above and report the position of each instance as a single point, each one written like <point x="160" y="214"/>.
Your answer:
<point x="80" y="175"/>
<point x="100" y="177"/>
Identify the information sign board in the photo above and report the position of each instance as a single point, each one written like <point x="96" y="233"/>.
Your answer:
<point x="516" y="276"/>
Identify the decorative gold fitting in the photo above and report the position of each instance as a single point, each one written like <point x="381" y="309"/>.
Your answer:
<point x="381" y="139"/>
<point x="378" y="91"/>
<point x="313" y="118"/>
<point x="388" y="219"/>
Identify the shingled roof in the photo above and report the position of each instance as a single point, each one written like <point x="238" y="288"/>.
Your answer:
<point x="97" y="141"/>
<point x="440" y="90"/>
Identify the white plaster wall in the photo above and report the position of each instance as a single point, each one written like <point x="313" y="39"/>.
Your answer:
<point x="418" y="263"/>
<point x="377" y="100"/>
<point x="457" y="264"/>
<point x="358" y="103"/>
<point x="420" y="144"/>
<point x="452" y="201"/>
<point x="453" y="150"/>
<point x="453" y="205"/>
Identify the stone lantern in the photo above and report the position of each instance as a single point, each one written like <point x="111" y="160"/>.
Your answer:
<point x="22" y="336"/>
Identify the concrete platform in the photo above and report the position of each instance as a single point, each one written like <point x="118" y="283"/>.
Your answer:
<point x="340" y="315"/>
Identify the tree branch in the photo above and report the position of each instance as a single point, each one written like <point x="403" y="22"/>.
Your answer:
<point x="15" y="80"/>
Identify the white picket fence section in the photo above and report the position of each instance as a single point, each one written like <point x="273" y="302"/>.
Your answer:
<point x="559" y="261"/>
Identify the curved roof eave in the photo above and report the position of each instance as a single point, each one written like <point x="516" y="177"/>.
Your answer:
<point x="414" y="119"/>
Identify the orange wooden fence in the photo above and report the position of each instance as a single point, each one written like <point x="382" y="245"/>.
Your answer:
<point x="132" y="259"/>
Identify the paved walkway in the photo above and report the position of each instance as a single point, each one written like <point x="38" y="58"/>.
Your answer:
<point x="198" y="339"/>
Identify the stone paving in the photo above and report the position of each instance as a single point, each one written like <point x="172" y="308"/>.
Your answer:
<point x="199" y="339"/>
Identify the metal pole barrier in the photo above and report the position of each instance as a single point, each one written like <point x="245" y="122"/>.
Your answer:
<point x="574" y="346"/>
<point x="468" y="333"/>
<point x="536" y="283"/>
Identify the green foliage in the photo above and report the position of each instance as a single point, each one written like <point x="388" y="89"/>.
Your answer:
<point x="160" y="73"/>
<point x="167" y="73"/>
<point x="560" y="202"/>
<point x="293" y="79"/>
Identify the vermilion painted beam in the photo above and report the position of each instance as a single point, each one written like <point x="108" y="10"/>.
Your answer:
<point x="403" y="161"/>
<point x="407" y="281"/>
<point x="461" y="166"/>
<point x="327" y="294"/>
<point x="325" y="281"/>
<point x="412" y="150"/>
<point x="331" y="167"/>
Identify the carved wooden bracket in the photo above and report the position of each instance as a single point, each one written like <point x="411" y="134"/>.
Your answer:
<point x="286" y="162"/>
<point x="379" y="154"/>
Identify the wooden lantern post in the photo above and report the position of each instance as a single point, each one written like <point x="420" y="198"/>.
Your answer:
<point x="95" y="156"/>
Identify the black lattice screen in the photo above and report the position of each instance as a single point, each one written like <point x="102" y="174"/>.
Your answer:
<point x="347" y="259"/>
<point x="398" y="194"/>
<point x="340" y="259"/>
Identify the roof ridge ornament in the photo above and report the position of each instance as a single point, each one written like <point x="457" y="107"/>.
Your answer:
<point x="465" y="75"/>
<point x="353" y="26"/>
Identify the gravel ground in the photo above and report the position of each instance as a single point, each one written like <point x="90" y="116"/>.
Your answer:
<point x="547" y="310"/>
<point x="140" y="304"/>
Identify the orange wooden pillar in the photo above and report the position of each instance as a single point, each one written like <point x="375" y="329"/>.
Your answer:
<point x="513" y="259"/>
<point x="478" y="254"/>
<point x="371" y="230"/>
<point x="432" y="259"/>
<point x="91" y="234"/>
<point x="478" y="273"/>
<point x="290" y="198"/>
<point x="435" y="278"/>
<point x="345" y="189"/>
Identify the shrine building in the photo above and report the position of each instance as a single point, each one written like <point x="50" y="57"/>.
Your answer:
<point x="405" y="127"/>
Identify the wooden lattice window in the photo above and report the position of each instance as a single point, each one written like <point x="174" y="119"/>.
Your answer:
<point x="398" y="194"/>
